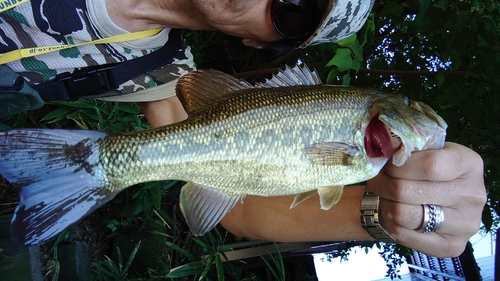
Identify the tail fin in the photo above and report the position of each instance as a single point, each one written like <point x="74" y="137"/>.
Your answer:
<point x="60" y="175"/>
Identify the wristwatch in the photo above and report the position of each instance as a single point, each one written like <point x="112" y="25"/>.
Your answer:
<point x="369" y="218"/>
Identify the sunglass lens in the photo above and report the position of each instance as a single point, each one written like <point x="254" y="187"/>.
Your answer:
<point x="294" y="19"/>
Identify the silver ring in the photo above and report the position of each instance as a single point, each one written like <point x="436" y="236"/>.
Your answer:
<point x="439" y="218"/>
<point x="425" y="222"/>
<point x="433" y="218"/>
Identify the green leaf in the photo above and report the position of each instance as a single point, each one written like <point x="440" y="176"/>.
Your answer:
<point x="201" y="243"/>
<point x="449" y="97"/>
<point x="182" y="251"/>
<point x="165" y="216"/>
<point x="129" y="108"/>
<point x="391" y="9"/>
<point x="346" y="79"/>
<point x="131" y="257"/>
<point x="440" y="79"/>
<point x="210" y="262"/>
<point x="85" y="104"/>
<point x="80" y="125"/>
<point x="482" y="41"/>
<point x="424" y="6"/>
<point x="57" y="115"/>
<point x="332" y="76"/>
<point x="155" y="193"/>
<point x="271" y="269"/>
<point x="357" y="50"/>
<point x="356" y="65"/>
<point x="90" y="113"/>
<point x="342" y="59"/>
<point x="347" y="41"/>
<point x="367" y="32"/>
<point x="220" y="268"/>
<point x="186" y="270"/>
<point x="279" y="273"/>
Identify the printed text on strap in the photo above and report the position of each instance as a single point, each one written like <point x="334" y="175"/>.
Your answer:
<point x="9" y="4"/>
<point x="31" y="52"/>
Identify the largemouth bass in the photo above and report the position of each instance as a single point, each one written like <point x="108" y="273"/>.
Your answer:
<point x="289" y="135"/>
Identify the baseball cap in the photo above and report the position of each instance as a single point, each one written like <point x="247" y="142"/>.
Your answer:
<point x="341" y="19"/>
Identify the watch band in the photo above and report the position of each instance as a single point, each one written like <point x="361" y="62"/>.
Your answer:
<point x="369" y="218"/>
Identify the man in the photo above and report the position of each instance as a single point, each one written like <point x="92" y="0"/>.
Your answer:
<point x="52" y="24"/>
<point x="448" y="181"/>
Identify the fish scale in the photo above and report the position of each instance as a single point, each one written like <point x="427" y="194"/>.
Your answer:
<point x="273" y="123"/>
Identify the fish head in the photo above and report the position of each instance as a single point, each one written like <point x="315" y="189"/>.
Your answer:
<point x="396" y="126"/>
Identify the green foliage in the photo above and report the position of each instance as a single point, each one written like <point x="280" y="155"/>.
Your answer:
<point x="52" y="268"/>
<point x="278" y="269"/>
<point x="211" y="265"/>
<point x="348" y="57"/>
<point x="82" y="114"/>
<point x="107" y="269"/>
<point x="445" y="53"/>
<point x="343" y="254"/>
<point x="393" y="255"/>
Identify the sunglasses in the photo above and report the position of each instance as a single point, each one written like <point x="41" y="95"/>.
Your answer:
<point x="295" y="19"/>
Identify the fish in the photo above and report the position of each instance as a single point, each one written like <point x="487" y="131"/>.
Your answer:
<point x="290" y="134"/>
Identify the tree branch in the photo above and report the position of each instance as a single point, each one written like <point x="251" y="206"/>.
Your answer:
<point x="410" y="73"/>
<point x="383" y="72"/>
<point x="269" y="71"/>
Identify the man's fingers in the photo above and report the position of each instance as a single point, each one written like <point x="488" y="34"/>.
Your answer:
<point x="411" y="217"/>
<point x="451" y="178"/>
<point x="432" y="244"/>
<point x="445" y="164"/>
<point x="448" y="241"/>
<point x="423" y="192"/>
<point x="441" y="177"/>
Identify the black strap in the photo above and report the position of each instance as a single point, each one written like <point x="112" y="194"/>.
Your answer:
<point x="95" y="80"/>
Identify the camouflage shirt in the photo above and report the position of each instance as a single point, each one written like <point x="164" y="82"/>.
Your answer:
<point x="55" y="22"/>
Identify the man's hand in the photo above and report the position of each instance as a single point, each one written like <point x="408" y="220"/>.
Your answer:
<point x="451" y="178"/>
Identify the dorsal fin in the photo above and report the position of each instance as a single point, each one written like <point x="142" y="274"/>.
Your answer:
<point x="296" y="76"/>
<point x="201" y="87"/>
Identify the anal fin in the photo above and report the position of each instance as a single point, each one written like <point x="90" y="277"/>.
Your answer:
<point x="203" y="207"/>
<point x="301" y="197"/>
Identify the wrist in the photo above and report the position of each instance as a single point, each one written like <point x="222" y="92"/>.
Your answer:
<point x="163" y="112"/>
<point x="370" y="218"/>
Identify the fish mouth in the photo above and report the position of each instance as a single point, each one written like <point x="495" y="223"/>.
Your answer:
<point x="379" y="139"/>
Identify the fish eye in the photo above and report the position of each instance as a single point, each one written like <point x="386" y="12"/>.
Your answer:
<point x="406" y="100"/>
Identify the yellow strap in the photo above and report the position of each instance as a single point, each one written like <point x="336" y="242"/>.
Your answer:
<point x="31" y="52"/>
<point x="9" y="4"/>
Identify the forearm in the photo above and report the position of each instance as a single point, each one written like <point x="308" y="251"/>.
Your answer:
<point x="163" y="112"/>
<point x="271" y="219"/>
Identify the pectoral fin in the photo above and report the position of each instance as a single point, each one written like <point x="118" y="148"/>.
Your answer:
<point x="301" y="197"/>
<point x="329" y="196"/>
<point x="330" y="153"/>
<point x="203" y="207"/>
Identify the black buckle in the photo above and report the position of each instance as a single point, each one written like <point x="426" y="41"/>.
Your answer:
<point x="88" y="81"/>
